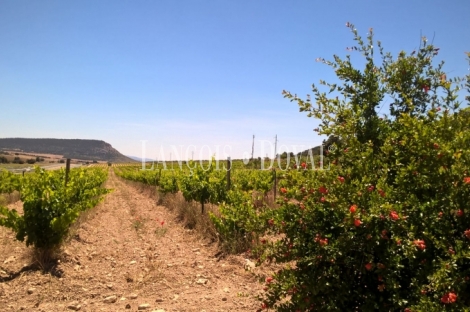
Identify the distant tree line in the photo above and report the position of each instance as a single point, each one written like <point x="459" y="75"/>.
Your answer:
<point x="18" y="160"/>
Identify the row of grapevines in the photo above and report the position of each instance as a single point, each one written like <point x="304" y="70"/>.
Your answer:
<point x="50" y="206"/>
<point x="204" y="184"/>
<point x="254" y="180"/>
<point x="9" y="182"/>
<point x="239" y="219"/>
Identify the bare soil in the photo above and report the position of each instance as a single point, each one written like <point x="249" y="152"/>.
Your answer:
<point x="127" y="254"/>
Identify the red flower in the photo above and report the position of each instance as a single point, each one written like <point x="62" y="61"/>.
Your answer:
<point x="382" y="193"/>
<point x="324" y="241"/>
<point x="353" y="209"/>
<point x="460" y="213"/>
<point x="269" y="280"/>
<point x="436" y="146"/>
<point x="371" y="188"/>
<point x="426" y="88"/>
<point x="450" y="297"/>
<point x="322" y="199"/>
<point x="304" y="165"/>
<point x="420" y="244"/>
<point x="357" y="222"/>
<point x="323" y="190"/>
<point x="368" y="266"/>
<point x="161" y="223"/>
<point x="283" y="190"/>
<point x="466" y="180"/>
<point x="394" y="215"/>
<point x="467" y="233"/>
<point x="407" y="310"/>
<point x="384" y="234"/>
<point x="341" y="179"/>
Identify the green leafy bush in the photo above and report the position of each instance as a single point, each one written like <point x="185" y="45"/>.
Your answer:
<point x="239" y="223"/>
<point x="168" y="182"/>
<point x="50" y="207"/>
<point x="9" y="182"/>
<point x="204" y="185"/>
<point x="387" y="228"/>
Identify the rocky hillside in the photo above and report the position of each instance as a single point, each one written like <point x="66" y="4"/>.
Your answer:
<point x="69" y="148"/>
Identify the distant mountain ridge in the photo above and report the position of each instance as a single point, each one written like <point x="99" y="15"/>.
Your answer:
<point x="70" y="148"/>
<point x="139" y="159"/>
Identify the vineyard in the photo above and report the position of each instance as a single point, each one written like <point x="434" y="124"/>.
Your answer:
<point x="381" y="222"/>
<point x="136" y="248"/>
<point x="387" y="227"/>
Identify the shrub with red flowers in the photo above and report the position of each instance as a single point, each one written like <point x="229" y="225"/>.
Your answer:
<point x="379" y="240"/>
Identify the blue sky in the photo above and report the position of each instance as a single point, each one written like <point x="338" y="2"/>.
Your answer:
<point x="194" y="73"/>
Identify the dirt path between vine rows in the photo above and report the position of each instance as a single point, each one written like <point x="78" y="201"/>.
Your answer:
<point x="128" y="254"/>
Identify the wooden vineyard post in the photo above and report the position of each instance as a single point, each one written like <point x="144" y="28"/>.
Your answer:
<point x="274" y="184"/>
<point x="229" y="168"/>
<point x="67" y="170"/>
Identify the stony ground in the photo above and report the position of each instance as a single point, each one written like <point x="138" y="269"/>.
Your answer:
<point x="127" y="254"/>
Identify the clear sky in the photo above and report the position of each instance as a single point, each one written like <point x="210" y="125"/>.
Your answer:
<point x="194" y="73"/>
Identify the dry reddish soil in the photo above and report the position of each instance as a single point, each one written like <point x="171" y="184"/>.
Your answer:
<point x="113" y="262"/>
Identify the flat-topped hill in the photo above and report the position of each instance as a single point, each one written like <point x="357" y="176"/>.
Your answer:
<point x="69" y="148"/>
